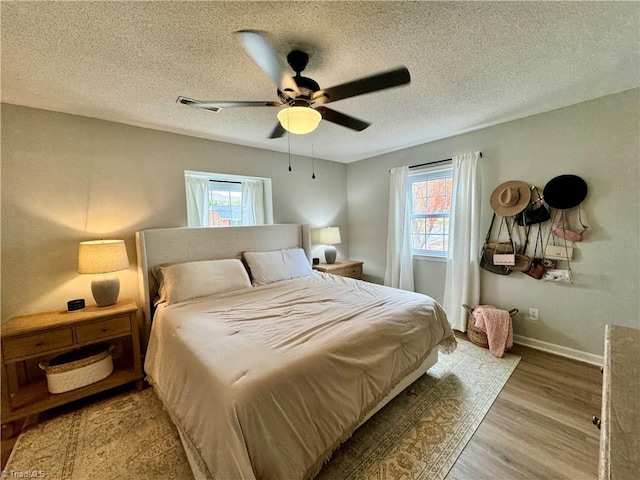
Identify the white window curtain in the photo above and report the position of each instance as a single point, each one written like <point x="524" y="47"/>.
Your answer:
<point x="197" y="188"/>
<point x="252" y="203"/>
<point x="399" y="269"/>
<point x="462" y="284"/>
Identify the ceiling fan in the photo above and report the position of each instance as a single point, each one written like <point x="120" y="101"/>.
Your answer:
<point x="302" y="96"/>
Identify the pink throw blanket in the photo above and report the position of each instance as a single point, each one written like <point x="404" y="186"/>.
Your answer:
<point x="497" y="324"/>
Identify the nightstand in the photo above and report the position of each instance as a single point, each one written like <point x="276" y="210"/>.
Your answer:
<point x="344" y="268"/>
<point x="29" y="339"/>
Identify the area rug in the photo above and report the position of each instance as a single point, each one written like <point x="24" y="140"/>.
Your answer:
<point x="418" y="435"/>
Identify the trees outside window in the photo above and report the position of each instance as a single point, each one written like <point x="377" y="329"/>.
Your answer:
<point x="430" y="195"/>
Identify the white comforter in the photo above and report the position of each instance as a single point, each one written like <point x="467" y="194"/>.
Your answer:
<point x="265" y="382"/>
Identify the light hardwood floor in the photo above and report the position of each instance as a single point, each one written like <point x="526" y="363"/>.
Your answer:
<point x="539" y="427"/>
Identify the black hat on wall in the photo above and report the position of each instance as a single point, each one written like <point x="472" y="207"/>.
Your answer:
<point x="565" y="191"/>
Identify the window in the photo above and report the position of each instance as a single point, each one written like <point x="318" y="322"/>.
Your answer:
<point x="222" y="200"/>
<point x="430" y="194"/>
<point x="225" y="203"/>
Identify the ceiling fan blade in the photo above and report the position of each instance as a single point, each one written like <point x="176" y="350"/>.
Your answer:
<point x="258" y="47"/>
<point x="333" y="116"/>
<point x="278" y="131"/>
<point x="215" y="105"/>
<point x="373" y="83"/>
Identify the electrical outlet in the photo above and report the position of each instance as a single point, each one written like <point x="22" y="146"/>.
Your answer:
<point x="534" y="314"/>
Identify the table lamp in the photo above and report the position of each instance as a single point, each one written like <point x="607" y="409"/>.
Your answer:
<point x="102" y="257"/>
<point x="329" y="236"/>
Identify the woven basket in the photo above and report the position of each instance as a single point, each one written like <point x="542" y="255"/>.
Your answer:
<point x="477" y="336"/>
<point x="78" y="368"/>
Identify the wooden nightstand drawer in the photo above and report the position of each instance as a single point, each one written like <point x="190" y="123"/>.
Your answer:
<point x="353" y="272"/>
<point x="32" y="345"/>
<point x="102" y="329"/>
<point x="344" y="268"/>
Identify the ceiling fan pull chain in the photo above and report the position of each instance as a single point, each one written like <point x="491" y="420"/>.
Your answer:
<point x="289" y="142"/>
<point x="313" y="164"/>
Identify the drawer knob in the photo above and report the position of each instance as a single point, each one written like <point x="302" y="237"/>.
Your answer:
<point x="596" y="421"/>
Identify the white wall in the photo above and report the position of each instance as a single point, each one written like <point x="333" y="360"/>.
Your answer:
<point x="67" y="178"/>
<point x="597" y="140"/>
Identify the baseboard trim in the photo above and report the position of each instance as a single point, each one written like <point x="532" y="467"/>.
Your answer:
<point x="559" y="350"/>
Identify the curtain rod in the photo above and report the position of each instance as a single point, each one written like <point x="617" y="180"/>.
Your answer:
<point x="431" y="163"/>
<point x="434" y="162"/>
<point x="225" y="181"/>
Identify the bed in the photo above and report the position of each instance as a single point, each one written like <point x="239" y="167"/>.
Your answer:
<point x="265" y="365"/>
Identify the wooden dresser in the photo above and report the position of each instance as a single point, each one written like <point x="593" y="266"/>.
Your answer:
<point x="344" y="268"/>
<point x="620" y="421"/>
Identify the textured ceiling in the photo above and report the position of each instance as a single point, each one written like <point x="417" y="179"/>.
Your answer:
<point x="472" y="64"/>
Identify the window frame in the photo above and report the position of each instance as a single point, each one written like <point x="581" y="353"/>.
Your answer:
<point x="238" y="179"/>
<point x="426" y="174"/>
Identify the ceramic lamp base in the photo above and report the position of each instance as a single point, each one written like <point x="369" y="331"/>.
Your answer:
<point x="105" y="290"/>
<point x="330" y="253"/>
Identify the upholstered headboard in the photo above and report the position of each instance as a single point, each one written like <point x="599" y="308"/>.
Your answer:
<point x="163" y="246"/>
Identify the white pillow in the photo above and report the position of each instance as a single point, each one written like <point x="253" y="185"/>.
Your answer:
<point x="182" y="281"/>
<point x="277" y="265"/>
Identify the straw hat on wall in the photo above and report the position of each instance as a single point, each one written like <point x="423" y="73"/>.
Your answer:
<point x="510" y="198"/>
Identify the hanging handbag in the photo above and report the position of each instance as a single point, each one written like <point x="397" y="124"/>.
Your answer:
<point x="558" y="252"/>
<point x="562" y="253"/>
<point x="562" y="231"/>
<point x="522" y="261"/>
<point x="536" y="269"/>
<point x="505" y="253"/>
<point x="535" y="213"/>
<point x="562" y="275"/>
<point x="486" y="255"/>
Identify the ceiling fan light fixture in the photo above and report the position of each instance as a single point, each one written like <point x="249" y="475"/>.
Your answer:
<point x="299" y="120"/>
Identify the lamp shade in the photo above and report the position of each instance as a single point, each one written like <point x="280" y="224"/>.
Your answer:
<point x="329" y="236"/>
<point x="102" y="256"/>
<point x="299" y="120"/>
